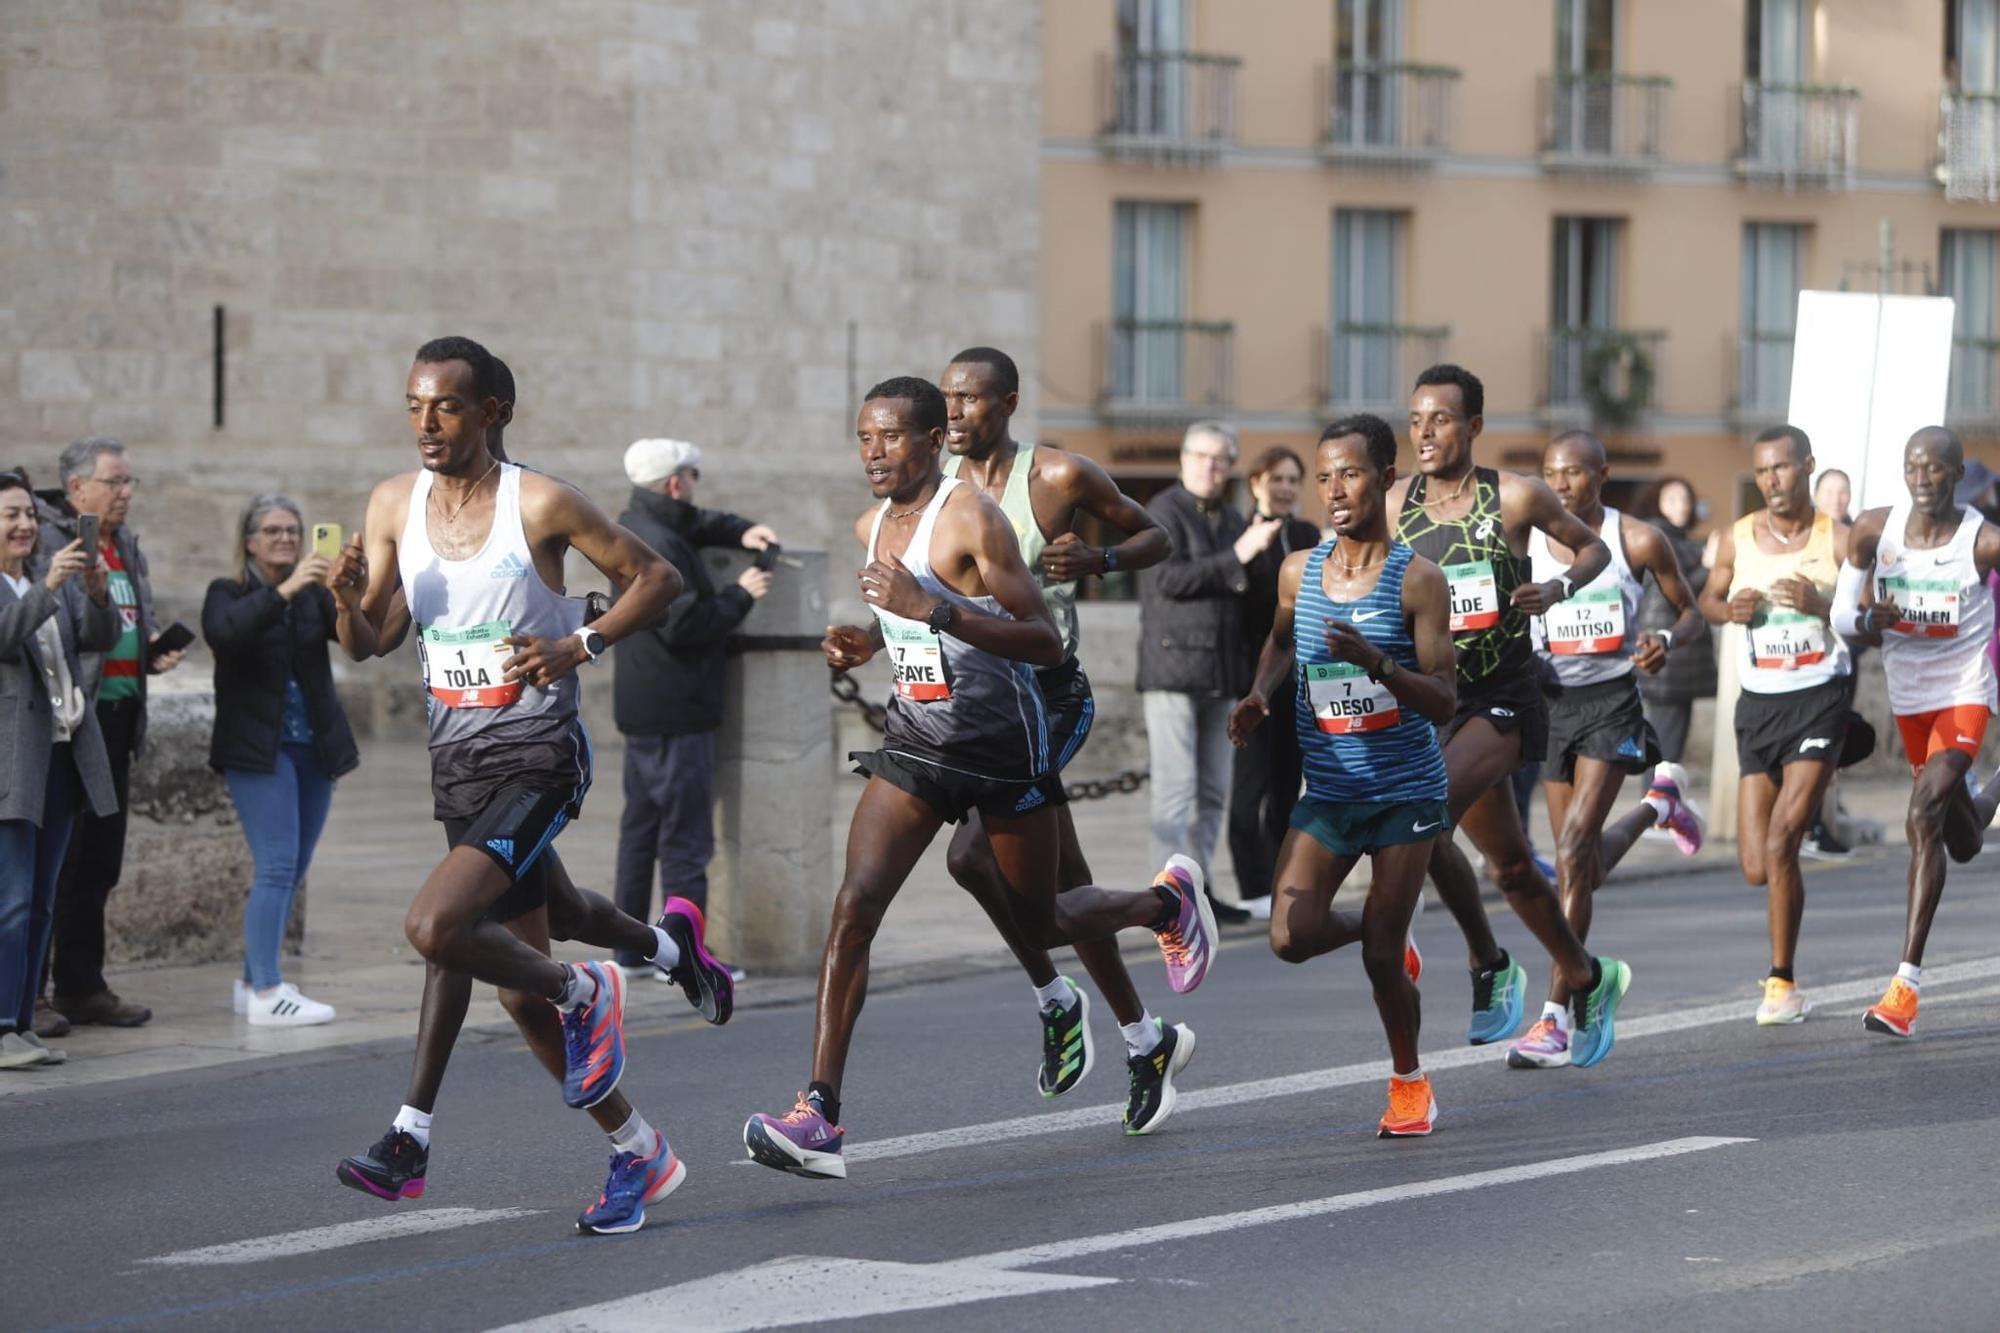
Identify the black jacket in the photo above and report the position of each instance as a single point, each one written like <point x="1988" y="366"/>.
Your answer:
<point x="1191" y="604"/>
<point x="259" y="640"/>
<point x="1260" y="599"/>
<point x="667" y="679"/>
<point x="58" y="531"/>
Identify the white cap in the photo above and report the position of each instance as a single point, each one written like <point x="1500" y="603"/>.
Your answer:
<point x="649" y="461"/>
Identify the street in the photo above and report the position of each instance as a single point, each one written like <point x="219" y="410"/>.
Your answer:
<point x="1710" y="1174"/>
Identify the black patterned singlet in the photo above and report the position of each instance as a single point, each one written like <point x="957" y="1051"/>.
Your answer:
<point x="1491" y="636"/>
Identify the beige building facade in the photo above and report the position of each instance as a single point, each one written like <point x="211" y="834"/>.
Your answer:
<point x="1270" y="213"/>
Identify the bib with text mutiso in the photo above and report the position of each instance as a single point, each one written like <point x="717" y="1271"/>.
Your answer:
<point x="462" y="666"/>
<point x="1344" y="701"/>
<point x="1593" y="621"/>
<point x="1475" y="596"/>
<point x="1929" y="606"/>
<point x="918" y="656"/>
<point x="1785" y="640"/>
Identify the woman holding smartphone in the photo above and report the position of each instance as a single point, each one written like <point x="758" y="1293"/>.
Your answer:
<point x="281" y="738"/>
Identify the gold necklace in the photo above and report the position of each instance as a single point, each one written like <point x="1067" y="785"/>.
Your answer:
<point x="452" y="515"/>
<point x="1457" y="491"/>
<point x="1779" y="537"/>
<point x="909" y="512"/>
<point x="1355" y="569"/>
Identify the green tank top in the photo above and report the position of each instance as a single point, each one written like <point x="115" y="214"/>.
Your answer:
<point x="1020" y="511"/>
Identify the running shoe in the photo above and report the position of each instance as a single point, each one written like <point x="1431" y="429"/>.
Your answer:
<point x="1412" y="1109"/>
<point x="1067" y="1051"/>
<point x="1152" y="1074"/>
<point x="1190" y="941"/>
<point x="635" y="1182"/>
<point x="706" y="982"/>
<point x="393" y="1169"/>
<point x="1782" y="1003"/>
<point x="1823" y="844"/>
<point x="1595" y="1014"/>
<point x="594" y="1039"/>
<point x="1413" y="962"/>
<point x="1896" y="1012"/>
<point x="1496" y="1003"/>
<point x="1670" y="785"/>
<point x="801" y="1142"/>
<point x="1546" y="1046"/>
<point x="286" y="1007"/>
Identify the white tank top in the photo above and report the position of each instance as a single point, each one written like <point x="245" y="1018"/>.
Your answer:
<point x="462" y="609"/>
<point x="1935" y="656"/>
<point x="1588" y="637"/>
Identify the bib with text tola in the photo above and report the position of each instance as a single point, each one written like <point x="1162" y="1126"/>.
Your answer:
<point x="462" y="667"/>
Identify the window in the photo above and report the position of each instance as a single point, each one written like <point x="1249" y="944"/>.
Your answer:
<point x="1368" y="38"/>
<point x="1967" y="259"/>
<point x="1149" y="300"/>
<point x="1774" y="45"/>
<point x="1153" y="90"/>
<point x="1773" y="273"/>
<point x="1972" y="45"/>
<point x="1367" y="306"/>
<point x="1583" y="298"/>
<point x="1586" y="57"/>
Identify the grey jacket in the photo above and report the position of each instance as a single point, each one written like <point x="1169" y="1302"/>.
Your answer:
<point x="1191" y="604"/>
<point x="27" y="719"/>
<point x="58" y="531"/>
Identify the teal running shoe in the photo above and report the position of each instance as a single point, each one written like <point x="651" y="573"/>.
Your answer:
<point x="1595" y="1013"/>
<point x="1497" y="996"/>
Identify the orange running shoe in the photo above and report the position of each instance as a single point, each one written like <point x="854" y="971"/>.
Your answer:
<point x="1896" y="1012"/>
<point x="1413" y="962"/>
<point x="1412" y="1110"/>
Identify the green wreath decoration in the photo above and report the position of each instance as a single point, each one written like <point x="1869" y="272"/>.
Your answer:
<point x="1617" y="378"/>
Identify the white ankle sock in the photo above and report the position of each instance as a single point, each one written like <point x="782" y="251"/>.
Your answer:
<point x="579" y="989"/>
<point x="666" y="953"/>
<point x="1059" y="992"/>
<point x="1911" y="974"/>
<point x="415" y="1123"/>
<point x="635" y="1136"/>
<point x="1410" y="1077"/>
<point x="1143" y="1037"/>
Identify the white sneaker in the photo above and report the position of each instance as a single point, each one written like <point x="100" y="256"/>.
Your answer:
<point x="1258" y="908"/>
<point x="52" y="1055"/>
<point x="15" y="1053"/>
<point x="239" y="996"/>
<point x="285" y="1007"/>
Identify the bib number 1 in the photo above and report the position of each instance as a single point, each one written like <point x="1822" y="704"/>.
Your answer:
<point x="462" y="667"/>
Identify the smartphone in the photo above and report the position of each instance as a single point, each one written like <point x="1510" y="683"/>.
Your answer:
<point x="86" y="531"/>
<point x="172" y="639"/>
<point x="767" y="559"/>
<point x="326" y="540"/>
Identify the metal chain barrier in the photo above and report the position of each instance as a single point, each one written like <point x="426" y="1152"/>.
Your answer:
<point x="848" y="691"/>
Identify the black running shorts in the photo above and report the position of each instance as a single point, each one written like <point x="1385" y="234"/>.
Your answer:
<point x="1066" y="699"/>
<point x="1804" y="726"/>
<point x="947" y="790"/>
<point x="515" y="830"/>
<point x="1509" y="704"/>
<point x="1603" y="721"/>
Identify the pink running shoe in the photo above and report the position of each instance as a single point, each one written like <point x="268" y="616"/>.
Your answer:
<point x="1189" y="943"/>
<point x="1545" y="1046"/>
<point x="1681" y="819"/>
<point x="801" y="1141"/>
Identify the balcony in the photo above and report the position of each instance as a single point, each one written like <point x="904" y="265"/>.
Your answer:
<point x="1370" y="367"/>
<point x="1795" y="135"/>
<point x="1607" y="377"/>
<point x="1164" y="371"/>
<point x="1760" y="369"/>
<point x="1603" y="124"/>
<point x="1972" y="404"/>
<point x="1174" y="107"/>
<point x="1387" y="115"/>
<point x="1968" y="163"/>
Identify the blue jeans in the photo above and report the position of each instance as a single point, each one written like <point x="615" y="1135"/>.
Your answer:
<point x="283" y="812"/>
<point x="31" y="861"/>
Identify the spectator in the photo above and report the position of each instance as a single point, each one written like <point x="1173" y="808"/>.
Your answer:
<point x="667" y="683"/>
<point x="1670" y="505"/>
<point x="1832" y="494"/>
<point x="97" y="479"/>
<point x="1193" y="661"/>
<point x="281" y="738"/>
<point x="53" y="759"/>
<point x="1268" y="769"/>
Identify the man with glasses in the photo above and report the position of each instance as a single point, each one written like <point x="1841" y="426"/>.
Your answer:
<point x="97" y="480"/>
<point x="1193" y="665"/>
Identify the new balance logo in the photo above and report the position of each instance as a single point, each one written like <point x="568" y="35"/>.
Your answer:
<point x="1363" y="617"/>
<point x="504" y="846"/>
<point x="1816" y="743"/>
<point x="510" y="568"/>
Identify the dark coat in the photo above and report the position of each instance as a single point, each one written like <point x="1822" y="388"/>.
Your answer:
<point x="260" y="640"/>
<point x="1690" y="671"/>
<point x="667" y="678"/>
<point x="58" y="531"/>
<point x="1260" y="599"/>
<point x="1191" y="604"/>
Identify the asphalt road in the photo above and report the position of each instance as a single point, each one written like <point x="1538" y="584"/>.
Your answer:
<point x="1710" y="1174"/>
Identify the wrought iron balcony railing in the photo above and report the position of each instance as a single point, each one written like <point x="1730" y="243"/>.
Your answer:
<point x="1604" y="123"/>
<point x="1968" y="163"/>
<point x="1370" y="367"/>
<point x="1177" y="106"/>
<point x="1609" y="376"/>
<point x="1164" y="369"/>
<point x="1388" y="115"/>
<point x="1799" y="135"/>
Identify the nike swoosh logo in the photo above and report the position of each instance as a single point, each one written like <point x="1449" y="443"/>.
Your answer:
<point x="1967" y="740"/>
<point x="1362" y="617"/>
<point x="1816" y="743"/>
<point x="1425" y="828"/>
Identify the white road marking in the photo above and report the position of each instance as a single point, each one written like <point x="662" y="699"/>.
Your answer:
<point x="809" y="1289"/>
<point x="287" y="1244"/>
<point x="1372" y="1071"/>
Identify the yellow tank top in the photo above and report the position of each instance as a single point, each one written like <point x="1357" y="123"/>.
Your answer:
<point x="1785" y="650"/>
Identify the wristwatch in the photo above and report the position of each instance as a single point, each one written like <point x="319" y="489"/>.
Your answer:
<point x="941" y="617"/>
<point x="1110" y="554"/>
<point x="1568" y="587"/>
<point x="1384" y="669"/>
<point x="593" y="643"/>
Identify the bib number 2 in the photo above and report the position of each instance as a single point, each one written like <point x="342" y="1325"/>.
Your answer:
<point x="462" y="666"/>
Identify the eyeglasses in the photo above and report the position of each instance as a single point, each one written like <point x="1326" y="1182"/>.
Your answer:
<point x="116" y="483"/>
<point x="271" y="531"/>
<point x="1221" y="460"/>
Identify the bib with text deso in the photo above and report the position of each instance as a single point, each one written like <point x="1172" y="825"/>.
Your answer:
<point x="1345" y="701"/>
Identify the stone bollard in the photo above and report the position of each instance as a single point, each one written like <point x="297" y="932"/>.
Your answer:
<point x="772" y="882"/>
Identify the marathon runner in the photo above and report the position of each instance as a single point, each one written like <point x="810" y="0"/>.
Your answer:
<point x="1474" y="524"/>
<point x="1774" y="575"/>
<point x="1592" y="650"/>
<point x="1041" y="491"/>
<point x="1933" y="616"/>
<point x="1363" y="626"/>
<point x="963" y="618"/>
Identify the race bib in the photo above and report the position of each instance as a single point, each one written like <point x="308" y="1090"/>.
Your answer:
<point x="462" y="666"/>
<point x="1475" y="597"/>
<point x="1786" y="640"/>
<point x="1345" y="702"/>
<point x="1929" y="606"/>
<point x="918" y="656"/>
<point x="1593" y="621"/>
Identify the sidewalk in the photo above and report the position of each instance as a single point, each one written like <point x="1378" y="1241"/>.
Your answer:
<point x="381" y="840"/>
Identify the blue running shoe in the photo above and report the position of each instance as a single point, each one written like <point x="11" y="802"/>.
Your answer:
<point x="1496" y="1003"/>
<point x="594" y="1039"/>
<point x="635" y="1182"/>
<point x="1594" y="1014"/>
